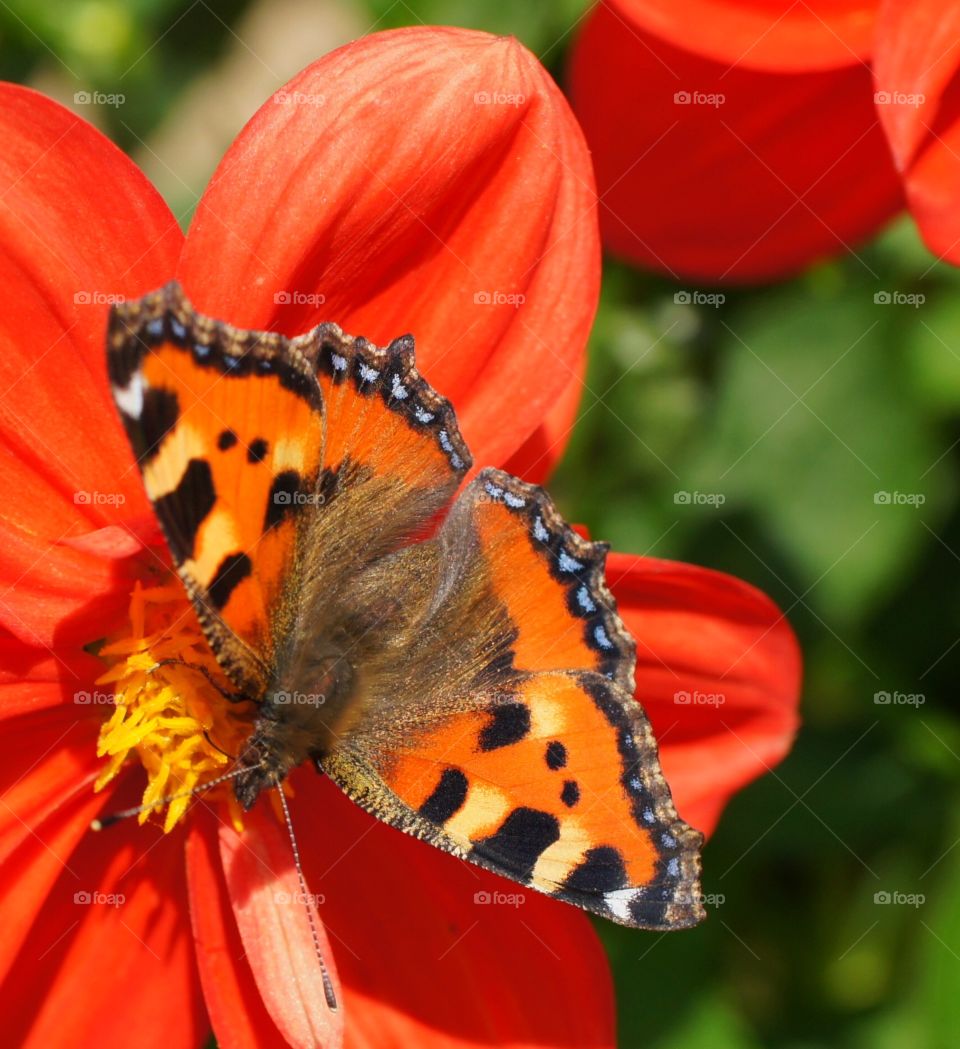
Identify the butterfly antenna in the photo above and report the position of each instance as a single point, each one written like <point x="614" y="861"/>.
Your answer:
<point x="115" y="817"/>
<point x="328" y="990"/>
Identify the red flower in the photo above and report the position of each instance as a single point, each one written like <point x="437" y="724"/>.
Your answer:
<point x="744" y="143"/>
<point x="387" y="183"/>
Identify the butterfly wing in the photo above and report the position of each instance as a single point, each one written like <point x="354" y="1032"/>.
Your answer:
<point x="227" y="428"/>
<point x="521" y="748"/>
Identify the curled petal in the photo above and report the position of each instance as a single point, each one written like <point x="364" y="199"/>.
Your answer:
<point x="918" y="103"/>
<point x="271" y="916"/>
<point x="426" y="180"/>
<point x="722" y="174"/>
<point x="718" y="672"/>
<point x="239" y="1017"/>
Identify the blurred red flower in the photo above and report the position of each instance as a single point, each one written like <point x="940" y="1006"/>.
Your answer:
<point x="748" y="139"/>
<point x="403" y="201"/>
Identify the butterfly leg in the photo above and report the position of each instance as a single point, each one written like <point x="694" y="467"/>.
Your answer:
<point x="232" y="697"/>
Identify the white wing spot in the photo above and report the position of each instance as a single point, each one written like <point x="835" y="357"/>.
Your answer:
<point x="585" y="601"/>
<point x="399" y="390"/>
<point x="515" y="501"/>
<point x="568" y="563"/>
<point x="423" y="415"/>
<point x="493" y="491"/>
<point x="155" y="327"/>
<point x="673" y="868"/>
<point x="129" y="398"/>
<point x="648" y="816"/>
<point x="618" y="902"/>
<point x="601" y="638"/>
<point x="368" y="374"/>
<point x="179" y="330"/>
<point x="540" y="531"/>
<point x="668" y="840"/>
<point x="339" y="363"/>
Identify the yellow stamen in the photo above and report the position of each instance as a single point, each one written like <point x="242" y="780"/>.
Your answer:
<point x="165" y="713"/>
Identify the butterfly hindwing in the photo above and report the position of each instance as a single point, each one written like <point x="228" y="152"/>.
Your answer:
<point x="227" y="428"/>
<point x="529" y="757"/>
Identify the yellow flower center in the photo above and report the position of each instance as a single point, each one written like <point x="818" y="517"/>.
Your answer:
<point x="169" y="709"/>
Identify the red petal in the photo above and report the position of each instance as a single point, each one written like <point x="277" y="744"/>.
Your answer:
<point x="535" y="459"/>
<point x="918" y="102"/>
<point x="109" y="959"/>
<point x="780" y="171"/>
<point x="59" y="594"/>
<point x="423" y="963"/>
<point x="409" y="205"/>
<point x="718" y="672"/>
<point x="240" y="1019"/>
<point x="778" y="35"/>
<point x="272" y="919"/>
<point x="79" y="223"/>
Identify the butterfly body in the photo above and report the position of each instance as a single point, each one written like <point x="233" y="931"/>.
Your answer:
<point x="469" y="681"/>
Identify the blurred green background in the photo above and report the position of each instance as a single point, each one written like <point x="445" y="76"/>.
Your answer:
<point x="724" y="399"/>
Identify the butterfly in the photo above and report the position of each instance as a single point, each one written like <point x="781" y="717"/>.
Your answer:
<point x="448" y="654"/>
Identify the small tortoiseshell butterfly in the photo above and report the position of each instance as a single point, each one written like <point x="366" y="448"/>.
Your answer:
<point x="477" y="681"/>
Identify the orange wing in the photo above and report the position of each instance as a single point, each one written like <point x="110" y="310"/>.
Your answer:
<point x="532" y="760"/>
<point x="227" y="428"/>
